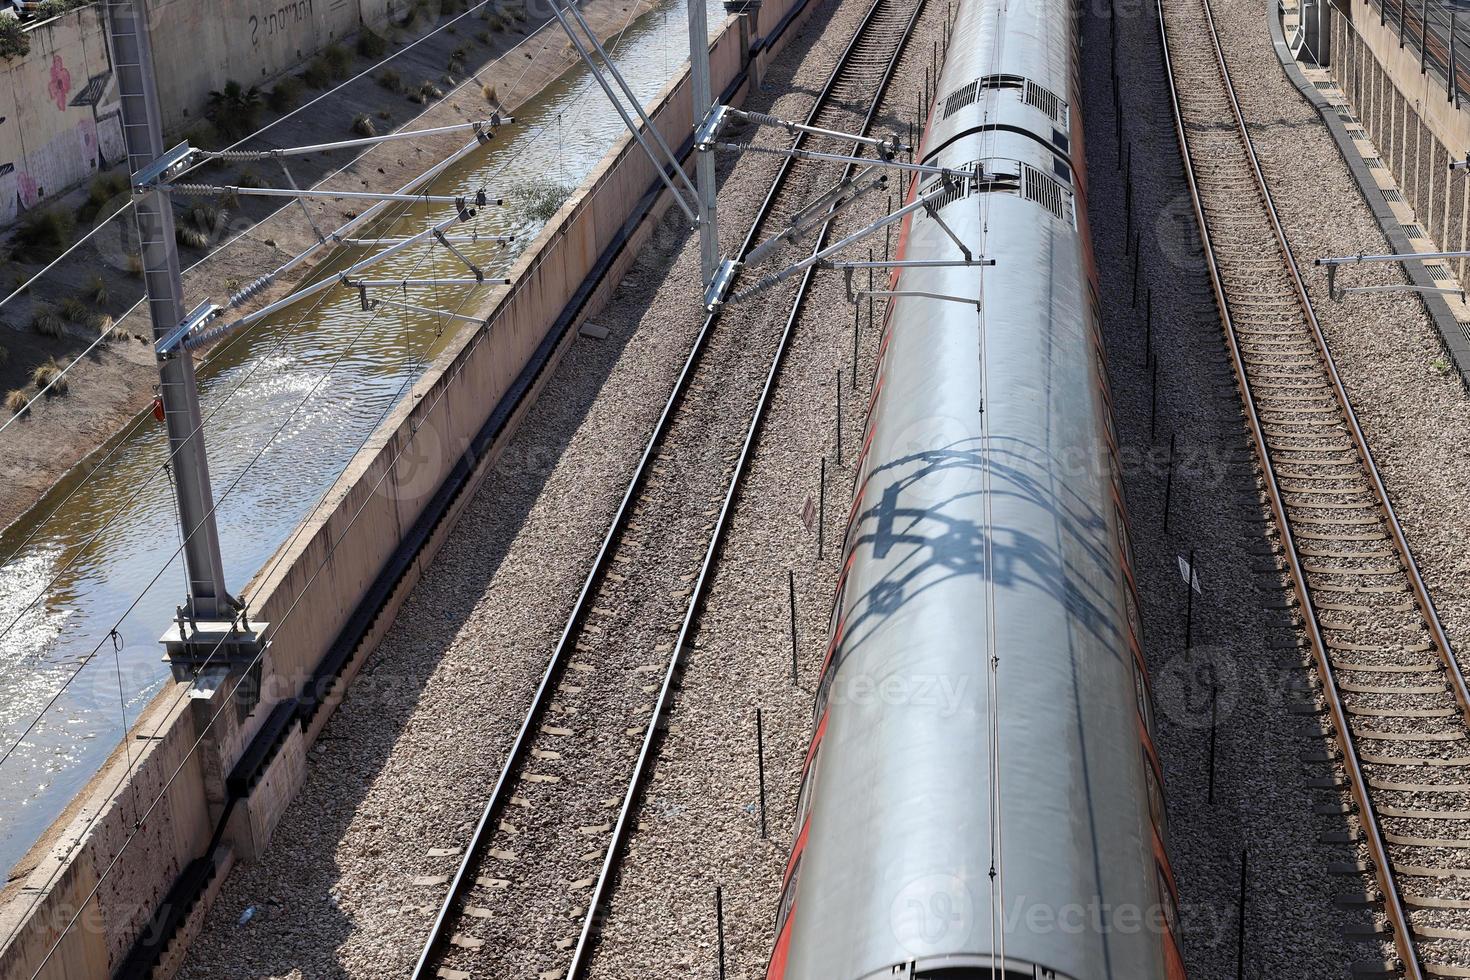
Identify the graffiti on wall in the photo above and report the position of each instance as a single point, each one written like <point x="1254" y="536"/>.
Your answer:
<point x="283" y="18"/>
<point x="60" y="86"/>
<point x="65" y="130"/>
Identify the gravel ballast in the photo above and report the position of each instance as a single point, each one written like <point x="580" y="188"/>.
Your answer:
<point x="700" y="824"/>
<point x="1252" y="797"/>
<point x="1262" y="796"/>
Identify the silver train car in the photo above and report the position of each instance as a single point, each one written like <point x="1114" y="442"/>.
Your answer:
<point x="955" y="821"/>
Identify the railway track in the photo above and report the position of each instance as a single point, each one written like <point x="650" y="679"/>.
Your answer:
<point x="1390" y="685"/>
<point x="539" y="865"/>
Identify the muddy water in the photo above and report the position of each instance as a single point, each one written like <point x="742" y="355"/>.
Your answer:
<point x="287" y="405"/>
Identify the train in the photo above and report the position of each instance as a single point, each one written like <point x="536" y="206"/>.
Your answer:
<point x="982" y="797"/>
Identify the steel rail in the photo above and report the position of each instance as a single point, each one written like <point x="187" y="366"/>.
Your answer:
<point x="1373" y="834"/>
<point x="501" y="792"/>
<point x="727" y="507"/>
<point x="1432" y="622"/>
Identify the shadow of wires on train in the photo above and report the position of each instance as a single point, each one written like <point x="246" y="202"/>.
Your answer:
<point x="941" y="546"/>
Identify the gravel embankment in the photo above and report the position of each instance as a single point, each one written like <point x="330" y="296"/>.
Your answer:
<point x="406" y="763"/>
<point x="1414" y="412"/>
<point x="544" y="855"/>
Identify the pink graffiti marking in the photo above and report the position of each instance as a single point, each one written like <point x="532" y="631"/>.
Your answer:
<point x="60" y="85"/>
<point x="29" y="192"/>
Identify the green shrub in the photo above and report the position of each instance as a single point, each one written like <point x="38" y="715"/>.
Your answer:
<point x="104" y="197"/>
<point x="14" y="42"/>
<point x="191" y="237"/>
<point x="75" y="309"/>
<point x="362" y="124"/>
<point x="337" y="59"/>
<point x="283" y="97"/>
<point x="317" y="74"/>
<point x="204" y="135"/>
<point x="54" y="8"/>
<point x="390" y="80"/>
<point x="384" y="115"/>
<point x="104" y="325"/>
<point x="484" y="36"/>
<point x="107" y="186"/>
<point x="541" y="197"/>
<point x="371" y="45"/>
<point x="206" y="217"/>
<point x="428" y="92"/>
<point x="16" y="402"/>
<point x="46" y="321"/>
<point x="234" y="109"/>
<point x="97" y="291"/>
<point x="42" y="233"/>
<point x="248" y="178"/>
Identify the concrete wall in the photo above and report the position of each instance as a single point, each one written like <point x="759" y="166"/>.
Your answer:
<point x="324" y="574"/>
<point x="1410" y="118"/>
<point x="58" y="104"/>
<point x="100" y="930"/>
<point x="58" y="112"/>
<point x="200" y="46"/>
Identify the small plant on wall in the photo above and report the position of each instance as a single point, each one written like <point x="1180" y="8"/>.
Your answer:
<point x="13" y="40"/>
<point x="234" y="109"/>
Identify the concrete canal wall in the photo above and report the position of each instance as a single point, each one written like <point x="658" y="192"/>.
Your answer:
<point x="59" y="121"/>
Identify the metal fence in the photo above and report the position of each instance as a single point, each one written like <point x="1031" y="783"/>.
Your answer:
<point x="1439" y="32"/>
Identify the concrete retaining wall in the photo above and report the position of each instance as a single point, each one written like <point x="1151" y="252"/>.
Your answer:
<point x="324" y="578"/>
<point x="1410" y="118"/>
<point x="59" y="119"/>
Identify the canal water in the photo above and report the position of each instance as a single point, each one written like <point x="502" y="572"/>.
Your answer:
<point x="287" y="404"/>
